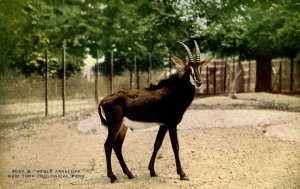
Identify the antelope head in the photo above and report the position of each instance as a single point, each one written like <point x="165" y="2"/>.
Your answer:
<point x="192" y="68"/>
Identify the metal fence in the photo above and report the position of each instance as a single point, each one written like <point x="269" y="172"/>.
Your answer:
<point x="22" y="94"/>
<point x="221" y="76"/>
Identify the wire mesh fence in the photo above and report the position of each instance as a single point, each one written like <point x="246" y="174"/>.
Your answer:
<point x="24" y="97"/>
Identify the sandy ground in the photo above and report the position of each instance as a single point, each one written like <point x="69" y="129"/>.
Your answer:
<point x="237" y="141"/>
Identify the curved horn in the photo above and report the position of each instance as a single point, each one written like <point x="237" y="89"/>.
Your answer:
<point x="198" y="61"/>
<point x="191" y="60"/>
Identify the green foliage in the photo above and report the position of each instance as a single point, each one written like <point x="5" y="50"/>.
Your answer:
<point x="287" y="37"/>
<point x="249" y="29"/>
<point x="11" y="30"/>
<point x="131" y="28"/>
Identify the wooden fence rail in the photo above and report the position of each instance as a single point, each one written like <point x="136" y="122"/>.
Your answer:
<point x="231" y="75"/>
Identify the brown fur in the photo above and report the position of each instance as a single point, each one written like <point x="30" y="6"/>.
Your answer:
<point x="164" y="104"/>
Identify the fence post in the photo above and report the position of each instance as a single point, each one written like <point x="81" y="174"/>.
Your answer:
<point x="137" y="70"/>
<point x="207" y="82"/>
<point x="64" y="79"/>
<point x="150" y="68"/>
<point x="233" y="68"/>
<point x="96" y="78"/>
<point x="292" y="76"/>
<point x="215" y="71"/>
<point x="130" y="77"/>
<point x="280" y="77"/>
<point x="46" y="82"/>
<point x="239" y="80"/>
<point x="170" y="63"/>
<point x="225" y="76"/>
<point x="249" y="75"/>
<point x="111" y="71"/>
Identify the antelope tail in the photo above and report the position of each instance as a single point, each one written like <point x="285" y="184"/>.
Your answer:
<point x="102" y="117"/>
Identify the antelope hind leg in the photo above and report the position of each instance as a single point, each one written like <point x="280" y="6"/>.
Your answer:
<point x="108" y="145"/>
<point x="113" y="132"/>
<point x="118" y="150"/>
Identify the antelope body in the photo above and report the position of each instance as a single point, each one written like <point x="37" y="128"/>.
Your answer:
<point x="163" y="104"/>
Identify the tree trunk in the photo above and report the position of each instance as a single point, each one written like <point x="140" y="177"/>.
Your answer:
<point x="263" y="75"/>
<point x="263" y="64"/>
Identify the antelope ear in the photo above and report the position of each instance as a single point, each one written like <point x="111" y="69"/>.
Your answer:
<point x="178" y="62"/>
<point x="207" y="62"/>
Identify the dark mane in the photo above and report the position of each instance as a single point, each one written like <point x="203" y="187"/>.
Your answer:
<point x="173" y="79"/>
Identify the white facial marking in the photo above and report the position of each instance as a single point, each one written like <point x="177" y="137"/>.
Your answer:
<point x="192" y="76"/>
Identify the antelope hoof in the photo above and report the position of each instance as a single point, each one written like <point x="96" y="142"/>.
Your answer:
<point x="153" y="174"/>
<point x="113" y="179"/>
<point x="131" y="176"/>
<point x="184" y="178"/>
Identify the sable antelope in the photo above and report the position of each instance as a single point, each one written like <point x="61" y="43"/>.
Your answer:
<point x="163" y="104"/>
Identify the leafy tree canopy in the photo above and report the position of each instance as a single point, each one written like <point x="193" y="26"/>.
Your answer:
<point x="248" y="29"/>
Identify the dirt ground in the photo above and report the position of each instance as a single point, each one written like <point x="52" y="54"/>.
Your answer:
<point x="235" y="141"/>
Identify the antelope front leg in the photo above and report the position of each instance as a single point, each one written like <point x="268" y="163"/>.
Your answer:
<point x="158" y="142"/>
<point x="175" y="146"/>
